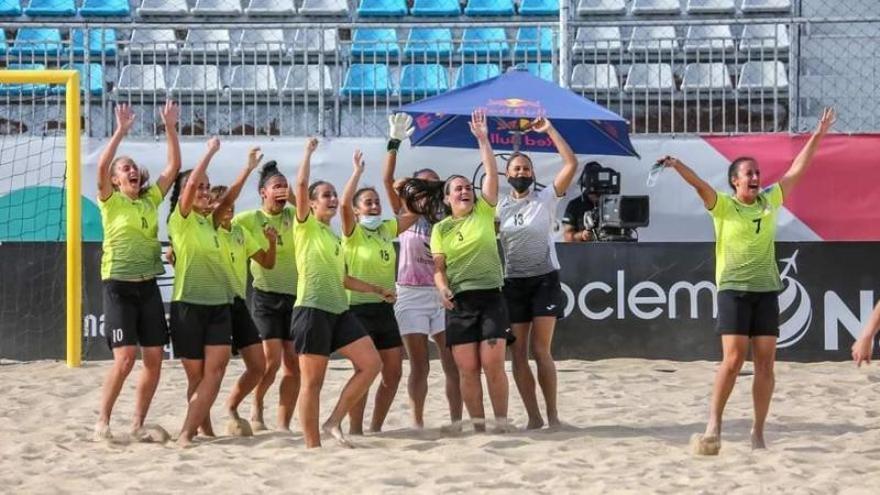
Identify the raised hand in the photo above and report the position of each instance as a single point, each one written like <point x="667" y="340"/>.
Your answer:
<point x="826" y="121"/>
<point x="170" y="114"/>
<point x="311" y="145"/>
<point x="214" y="144"/>
<point x="478" y="125"/>
<point x="124" y="117"/>
<point x="669" y="161"/>
<point x="541" y="124"/>
<point x="400" y="126"/>
<point x="358" y="161"/>
<point x="255" y="156"/>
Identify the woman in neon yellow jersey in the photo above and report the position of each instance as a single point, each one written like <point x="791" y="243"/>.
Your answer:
<point x="133" y="311"/>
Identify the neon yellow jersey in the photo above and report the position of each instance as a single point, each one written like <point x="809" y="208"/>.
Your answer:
<point x="370" y="256"/>
<point x="321" y="266"/>
<point x="240" y="245"/>
<point x="472" y="260"/>
<point x="745" y="249"/>
<point x="201" y="274"/>
<point x="282" y="277"/>
<point x="131" y="229"/>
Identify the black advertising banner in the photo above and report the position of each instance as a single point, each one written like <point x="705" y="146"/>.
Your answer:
<point x="644" y="300"/>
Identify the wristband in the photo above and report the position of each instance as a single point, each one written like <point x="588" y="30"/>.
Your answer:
<point x="393" y="145"/>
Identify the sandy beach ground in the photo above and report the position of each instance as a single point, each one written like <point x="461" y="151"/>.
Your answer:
<point x="629" y="422"/>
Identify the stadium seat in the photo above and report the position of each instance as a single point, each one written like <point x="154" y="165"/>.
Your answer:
<point x="197" y="80"/>
<point x="309" y="41"/>
<point x="367" y="80"/>
<point x="436" y="8"/>
<point x="16" y="89"/>
<point x="710" y="7"/>
<point x="471" y="73"/>
<point x="105" y="8"/>
<point x="4" y="46"/>
<point x="37" y="42"/>
<point x="101" y="42"/>
<point x="484" y="42"/>
<point x="11" y="8"/>
<point x="428" y="43"/>
<point x="163" y="8"/>
<point x="382" y="8"/>
<point x="762" y="76"/>
<point x="764" y="38"/>
<point x="306" y="79"/>
<point x="324" y="8"/>
<point x="656" y="7"/>
<point x="765" y="6"/>
<point x="539" y="7"/>
<point x="253" y="80"/>
<point x="141" y="79"/>
<point x="653" y="39"/>
<point x="152" y="41"/>
<point x="91" y="79"/>
<point x="533" y="43"/>
<point x="423" y="80"/>
<point x="599" y="40"/>
<point x="699" y="77"/>
<point x="489" y="8"/>
<point x="601" y="7"/>
<point x="708" y="38"/>
<point x="217" y="8"/>
<point x="596" y="78"/>
<point x="271" y="7"/>
<point x="544" y="70"/>
<point x="261" y="42"/>
<point x="377" y="43"/>
<point x="51" y="8"/>
<point x="650" y="78"/>
<point x="207" y="41"/>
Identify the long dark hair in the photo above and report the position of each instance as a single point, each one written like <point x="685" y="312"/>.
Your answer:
<point x="179" y="183"/>
<point x="733" y="169"/>
<point x="426" y="197"/>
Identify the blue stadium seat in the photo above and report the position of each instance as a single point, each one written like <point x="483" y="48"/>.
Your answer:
<point x="368" y="80"/>
<point x="10" y="8"/>
<point x="3" y="45"/>
<point x="382" y="8"/>
<point x="51" y="8"/>
<point x="436" y="8"/>
<point x="101" y="42"/>
<point x="91" y="79"/>
<point x="423" y="80"/>
<point x="489" y="8"/>
<point x="16" y="89"/>
<point x="533" y="42"/>
<point x="37" y="41"/>
<point x="539" y="7"/>
<point x="544" y="70"/>
<point x="105" y="8"/>
<point x="484" y="42"/>
<point x="471" y="73"/>
<point x="428" y="43"/>
<point x="374" y="43"/>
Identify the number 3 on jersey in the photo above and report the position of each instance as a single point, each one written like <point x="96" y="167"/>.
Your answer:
<point x="518" y="219"/>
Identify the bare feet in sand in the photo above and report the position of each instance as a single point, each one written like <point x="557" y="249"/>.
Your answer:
<point x="702" y="444"/>
<point x="184" y="441"/>
<point x="452" y="428"/>
<point x="502" y="425"/>
<point x="336" y="432"/>
<point x="535" y="423"/>
<point x="237" y="427"/>
<point x="479" y="424"/>
<point x="102" y="433"/>
<point x="149" y="434"/>
<point x="257" y="423"/>
<point x="758" y="440"/>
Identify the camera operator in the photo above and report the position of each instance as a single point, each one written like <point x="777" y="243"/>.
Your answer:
<point x="573" y="220"/>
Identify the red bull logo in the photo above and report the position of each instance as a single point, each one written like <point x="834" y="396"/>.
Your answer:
<point x="513" y="103"/>
<point x="515" y="107"/>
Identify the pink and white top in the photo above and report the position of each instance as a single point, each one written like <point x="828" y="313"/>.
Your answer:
<point x="416" y="265"/>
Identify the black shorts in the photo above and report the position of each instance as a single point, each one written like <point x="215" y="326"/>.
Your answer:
<point x="379" y="322"/>
<point x="272" y="313"/>
<point x="752" y="314"/>
<point x="244" y="332"/>
<point x="319" y="332"/>
<point x="134" y="314"/>
<point x="478" y="315"/>
<point x="531" y="297"/>
<point x="193" y="326"/>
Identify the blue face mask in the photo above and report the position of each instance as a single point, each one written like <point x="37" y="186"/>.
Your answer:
<point x="371" y="222"/>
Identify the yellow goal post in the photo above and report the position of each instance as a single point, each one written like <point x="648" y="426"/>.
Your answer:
<point x="73" y="271"/>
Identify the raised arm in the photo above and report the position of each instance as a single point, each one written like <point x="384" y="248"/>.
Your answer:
<point x="346" y="206"/>
<point x="231" y="195"/>
<point x="400" y="128"/>
<point x="706" y="192"/>
<point x="301" y="187"/>
<point x="188" y="195"/>
<point x="442" y="282"/>
<point x="803" y="160"/>
<point x="124" y="121"/>
<point x="864" y="346"/>
<point x="266" y="257"/>
<point x="170" y="116"/>
<point x="569" y="160"/>
<point x="480" y="130"/>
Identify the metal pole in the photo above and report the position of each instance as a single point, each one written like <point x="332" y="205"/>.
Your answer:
<point x="564" y="61"/>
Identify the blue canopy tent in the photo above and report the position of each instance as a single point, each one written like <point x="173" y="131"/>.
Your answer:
<point x="511" y="101"/>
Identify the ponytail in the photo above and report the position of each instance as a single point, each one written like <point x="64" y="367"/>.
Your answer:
<point x="179" y="184"/>
<point x="425" y="197"/>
